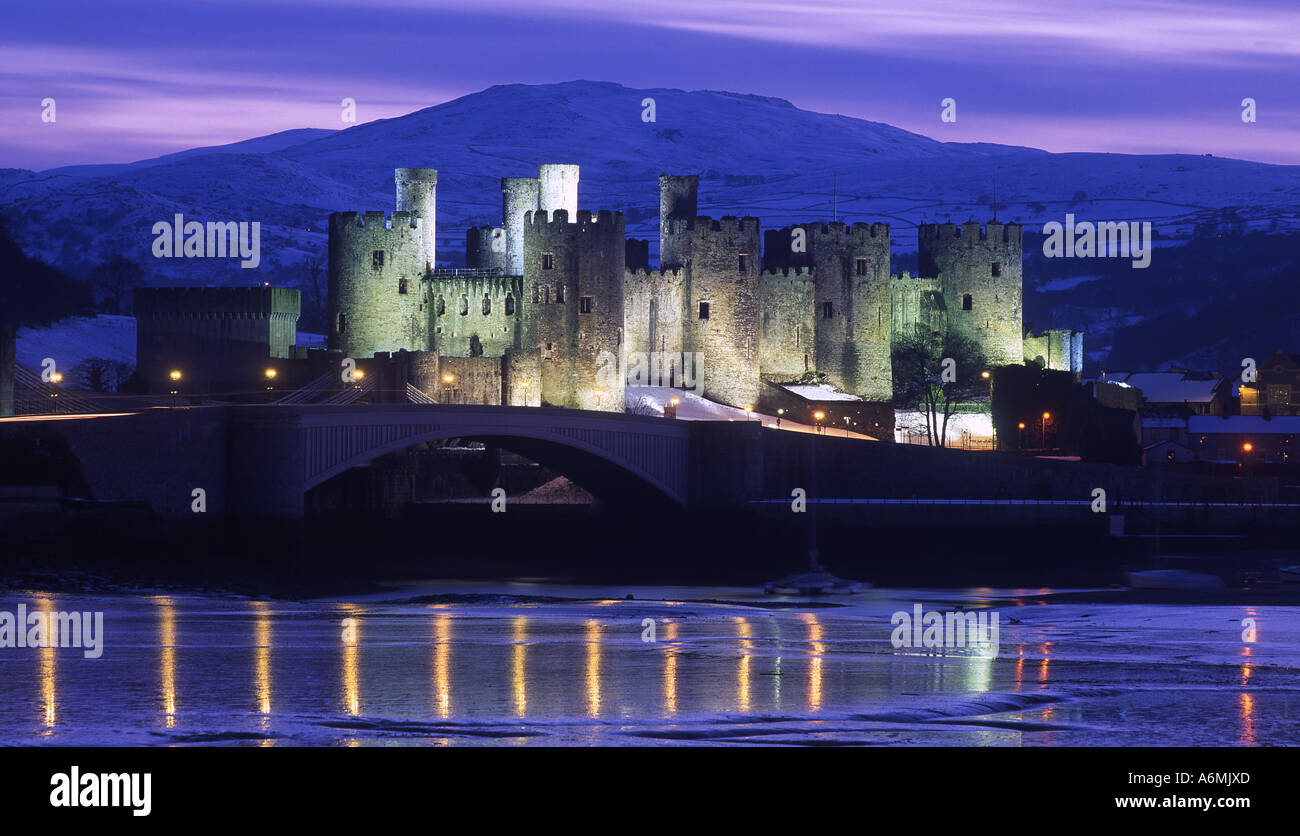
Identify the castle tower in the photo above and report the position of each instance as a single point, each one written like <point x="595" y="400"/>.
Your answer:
<point x="573" y="306"/>
<point x="417" y="193"/>
<point x="719" y="263"/>
<point x="557" y="188"/>
<point x="981" y="273"/>
<point x="376" y="271"/>
<point x="851" y="306"/>
<point x="678" y="198"/>
<point x="519" y="196"/>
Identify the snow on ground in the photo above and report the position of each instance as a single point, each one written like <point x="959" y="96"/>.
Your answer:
<point x="819" y="392"/>
<point x="71" y="341"/>
<point x="650" y="400"/>
<point x="975" y="429"/>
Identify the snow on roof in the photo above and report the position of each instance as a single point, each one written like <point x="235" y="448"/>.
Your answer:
<point x="818" y="392"/>
<point x="1168" y="387"/>
<point x="1257" y="424"/>
<point x="1162" y="421"/>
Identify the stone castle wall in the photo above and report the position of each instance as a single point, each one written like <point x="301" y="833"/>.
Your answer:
<point x="981" y="273"/>
<point x="376" y="265"/>
<point x="573" y="306"/>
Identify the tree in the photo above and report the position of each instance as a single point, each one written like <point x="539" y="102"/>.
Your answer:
<point x="935" y="372"/>
<point x="314" y="301"/>
<point x="113" y="281"/>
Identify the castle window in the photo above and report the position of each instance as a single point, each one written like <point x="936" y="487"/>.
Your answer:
<point x="548" y="353"/>
<point x="828" y="310"/>
<point x="441" y="307"/>
<point x="704" y="310"/>
<point x="860" y="267"/>
<point x="377" y="259"/>
<point x="402" y="285"/>
<point x="487" y="304"/>
<point x="464" y="305"/>
<point x="537" y="293"/>
<point x="997" y="269"/>
<point x="343" y="323"/>
<point x="798" y="336"/>
<point x="548" y="261"/>
<point x="510" y="304"/>
<point x="559" y="294"/>
<point x="967" y="303"/>
<point x="744" y="262"/>
<point x="546" y="294"/>
<point x="584" y="304"/>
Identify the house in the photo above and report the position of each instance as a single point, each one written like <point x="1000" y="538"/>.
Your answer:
<point x="1276" y="389"/>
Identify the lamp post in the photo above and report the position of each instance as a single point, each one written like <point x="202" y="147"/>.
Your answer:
<point x="817" y="418"/>
<point x="1047" y="416"/>
<point x="526" y="385"/>
<point x="993" y="427"/>
<point x="270" y="379"/>
<point x="175" y="375"/>
<point x="749" y="413"/>
<point x="1020" y="430"/>
<point x="779" y="413"/>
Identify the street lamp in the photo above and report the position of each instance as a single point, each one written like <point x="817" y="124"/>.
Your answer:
<point x="270" y="377"/>
<point x="987" y="375"/>
<point x="779" y="413"/>
<point x="749" y="413"/>
<point x="175" y="375"/>
<point x="1020" y="428"/>
<point x="818" y="416"/>
<point x="1047" y="416"/>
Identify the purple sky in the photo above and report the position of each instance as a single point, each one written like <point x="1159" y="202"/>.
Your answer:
<point x="137" y="79"/>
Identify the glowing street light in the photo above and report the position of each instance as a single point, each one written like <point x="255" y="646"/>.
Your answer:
<point x="1247" y="447"/>
<point x="749" y="412"/>
<point x="818" y="416"/>
<point x="175" y="374"/>
<point x="1047" y="416"/>
<point x="270" y="374"/>
<point x="449" y="379"/>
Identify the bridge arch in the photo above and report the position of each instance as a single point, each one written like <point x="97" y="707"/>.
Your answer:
<point x="594" y="449"/>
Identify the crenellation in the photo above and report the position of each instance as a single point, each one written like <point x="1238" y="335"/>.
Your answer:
<point x="563" y="291"/>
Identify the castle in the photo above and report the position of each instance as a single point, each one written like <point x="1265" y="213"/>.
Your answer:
<point x="556" y="300"/>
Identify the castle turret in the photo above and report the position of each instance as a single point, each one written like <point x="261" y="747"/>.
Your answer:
<point x="417" y="193"/>
<point x="980" y="272"/>
<point x="519" y="196"/>
<point x="376" y="268"/>
<point x="557" y="188"/>
<point x="678" y="199"/>
<point x="573" y="306"/>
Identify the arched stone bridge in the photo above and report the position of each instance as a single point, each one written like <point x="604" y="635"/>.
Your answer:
<point x="262" y="459"/>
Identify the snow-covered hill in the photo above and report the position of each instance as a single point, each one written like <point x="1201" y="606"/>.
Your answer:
<point x="757" y="156"/>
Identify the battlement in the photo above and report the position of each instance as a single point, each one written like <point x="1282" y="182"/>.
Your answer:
<point x="343" y="221"/>
<point x="217" y="301"/>
<point x="858" y="231"/>
<point x="1009" y="232"/>
<point x="652" y="273"/>
<point x="787" y="272"/>
<point x="727" y="223"/>
<point x="559" y="219"/>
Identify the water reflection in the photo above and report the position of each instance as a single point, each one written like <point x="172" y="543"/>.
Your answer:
<point x="442" y="665"/>
<point x="48" y="661"/>
<point x="745" y="632"/>
<point x="670" y="669"/>
<point x="519" y="669"/>
<point x="593" y="667"/>
<point x="351" y="659"/>
<point x="817" y="649"/>
<point x="167" y="657"/>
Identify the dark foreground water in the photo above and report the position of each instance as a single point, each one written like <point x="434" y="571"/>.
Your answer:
<point x="529" y="664"/>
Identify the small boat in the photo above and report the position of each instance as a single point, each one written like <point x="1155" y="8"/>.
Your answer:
<point x="815" y="583"/>
<point x="1289" y="574"/>
<point x="1172" y="579"/>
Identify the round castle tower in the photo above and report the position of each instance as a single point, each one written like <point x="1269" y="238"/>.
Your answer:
<point x="417" y="193"/>
<point x="519" y="196"/>
<point x="557" y="188"/>
<point x="679" y="197"/>
<point x="375" y="269"/>
<point x="573" y="306"/>
<point x="981" y="274"/>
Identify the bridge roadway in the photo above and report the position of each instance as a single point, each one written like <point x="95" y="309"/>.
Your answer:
<point x="260" y="460"/>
